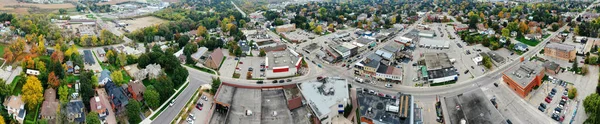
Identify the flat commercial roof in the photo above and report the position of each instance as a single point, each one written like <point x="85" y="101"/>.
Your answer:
<point x="274" y="108"/>
<point x="524" y="72"/>
<point x="435" y="61"/>
<point x="434" y="43"/>
<point x="266" y="42"/>
<point x="322" y="96"/>
<point x="282" y="58"/>
<point x="245" y="100"/>
<point x="473" y="107"/>
<point x="561" y="47"/>
<point x="378" y="104"/>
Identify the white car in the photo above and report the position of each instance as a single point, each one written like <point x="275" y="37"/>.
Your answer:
<point x="172" y="102"/>
<point x="190" y="121"/>
<point x="204" y="98"/>
<point x="191" y="116"/>
<point x="388" y="85"/>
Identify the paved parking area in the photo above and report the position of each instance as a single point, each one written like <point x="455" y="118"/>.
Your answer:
<point x="228" y="67"/>
<point x="538" y="96"/>
<point x="250" y="62"/>
<point x="203" y="116"/>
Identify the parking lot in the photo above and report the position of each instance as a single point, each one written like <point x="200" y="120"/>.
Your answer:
<point x="545" y="91"/>
<point x="203" y="115"/>
<point x="228" y="67"/>
<point x="245" y="63"/>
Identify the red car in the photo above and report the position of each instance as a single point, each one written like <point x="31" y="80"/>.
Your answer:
<point x="562" y="118"/>
<point x="548" y="100"/>
<point x="564" y="97"/>
<point x="241" y="62"/>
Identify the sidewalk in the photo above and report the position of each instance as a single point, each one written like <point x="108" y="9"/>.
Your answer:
<point x="354" y="106"/>
<point x="148" y="120"/>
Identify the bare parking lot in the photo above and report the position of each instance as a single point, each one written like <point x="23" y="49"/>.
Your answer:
<point x="250" y="64"/>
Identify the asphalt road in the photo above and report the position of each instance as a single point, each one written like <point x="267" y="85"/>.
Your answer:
<point x="170" y="113"/>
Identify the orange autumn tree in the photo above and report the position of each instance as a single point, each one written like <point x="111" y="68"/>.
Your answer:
<point x="53" y="80"/>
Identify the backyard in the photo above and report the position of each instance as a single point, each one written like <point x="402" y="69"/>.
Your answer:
<point x="532" y="42"/>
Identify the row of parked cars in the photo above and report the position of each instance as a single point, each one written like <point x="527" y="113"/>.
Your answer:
<point x="558" y="109"/>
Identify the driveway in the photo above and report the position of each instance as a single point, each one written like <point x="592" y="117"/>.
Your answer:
<point x="110" y="119"/>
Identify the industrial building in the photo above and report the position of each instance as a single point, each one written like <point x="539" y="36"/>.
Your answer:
<point x="282" y="63"/>
<point x="560" y="51"/>
<point x="379" y="108"/>
<point x="438" y="68"/>
<point x="523" y="77"/>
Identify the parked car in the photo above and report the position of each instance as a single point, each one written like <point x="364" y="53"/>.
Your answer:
<point x="548" y="100"/>
<point x="543" y="105"/>
<point x="388" y="85"/>
<point x="204" y="98"/>
<point x="466" y="71"/>
<point x="288" y="80"/>
<point x="557" y="109"/>
<point x="274" y="81"/>
<point x="496" y="84"/>
<point x="472" y="67"/>
<point x="281" y="81"/>
<point x="541" y="109"/>
<point x="250" y="69"/>
<point x="259" y="82"/>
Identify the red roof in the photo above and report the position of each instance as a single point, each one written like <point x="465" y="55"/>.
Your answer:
<point x="295" y="103"/>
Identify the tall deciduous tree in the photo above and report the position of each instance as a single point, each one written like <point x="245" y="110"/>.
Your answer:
<point x="117" y="77"/>
<point x="201" y="30"/>
<point x="8" y="55"/>
<point x="92" y="118"/>
<point x="133" y="112"/>
<point x="53" y="80"/>
<point x="152" y="97"/>
<point x="5" y="89"/>
<point x="32" y="92"/>
<point x="591" y="104"/>
<point x="63" y="93"/>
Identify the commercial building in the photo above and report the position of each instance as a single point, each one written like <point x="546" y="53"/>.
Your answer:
<point x="265" y="44"/>
<point x="561" y="51"/>
<point x="369" y="65"/>
<point x="471" y="107"/>
<point x="389" y="73"/>
<point x="285" y="28"/>
<point x="235" y="104"/>
<point x="427" y="33"/>
<point x="364" y="43"/>
<point x="431" y="43"/>
<point x="326" y="99"/>
<point x="282" y="63"/>
<point x="379" y="108"/>
<point x="461" y="27"/>
<point x="438" y="68"/>
<point x="551" y="67"/>
<point x="346" y="50"/>
<point x="215" y="59"/>
<point x="523" y="77"/>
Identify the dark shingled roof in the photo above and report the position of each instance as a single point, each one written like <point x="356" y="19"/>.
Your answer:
<point x="88" y="57"/>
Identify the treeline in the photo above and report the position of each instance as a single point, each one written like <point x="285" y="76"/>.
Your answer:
<point x="105" y="38"/>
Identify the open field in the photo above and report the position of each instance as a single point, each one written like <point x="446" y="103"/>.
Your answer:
<point x="142" y="22"/>
<point x="23" y="8"/>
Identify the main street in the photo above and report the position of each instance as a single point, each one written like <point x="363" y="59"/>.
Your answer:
<point x="425" y="94"/>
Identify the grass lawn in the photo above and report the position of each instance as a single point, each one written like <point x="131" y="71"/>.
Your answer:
<point x="146" y="82"/>
<point x="72" y="78"/>
<point x="166" y="106"/>
<point x="443" y="83"/>
<point x="16" y="90"/>
<point x="126" y="76"/>
<point x="200" y="68"/>
<point x="30" y="118"/>
<point x="2" y="49"/>
<point x="224" y="57"/>
<point x="528" y="42"/>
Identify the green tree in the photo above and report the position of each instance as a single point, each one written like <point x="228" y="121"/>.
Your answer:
<point x="62" y="11"/>
<point x="117" y="77"/>
<point x="133" y="112"/>
<point x="92" y="118"/>
<point x="143" y="61"/>
<point x="152" y="97"/>
<point x="318" y="30"/>
<point x="262" y="53"/>
<point x="487" y="62"/>
<point x="4" y="89"/>
<point x="506" y="32"/>
<point x="122" y="59"/>
<point x="166" y="87"/>
<point x="322" y="12"/>
<point x="591" y="104"/>
<point x="572" y="93"/>
<point x="215" y="85"/>
<point x="63" y="94"/>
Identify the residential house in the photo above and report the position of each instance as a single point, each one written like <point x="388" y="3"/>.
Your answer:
<point x="70" y="66"/>
<point x="215" y="59"/>
<point x="104" y="77"/>
<point x="76" y="111"/>
<point x="15" y="107"/>
<point x="461" y="27"/>
<point x="245" y="47"/>
<point x="76" y="69"/>
<point x="513" y="33"/>
<point x="179" y="55"/>
<point x="97" y="106"/>
<point x="50" y="105"/>
<point x="100" y="52"/>
<point x="154" y="70"/>
<point x="136" y="89"/>
<point x="521" y="47"/>
<point x="118" y="98"/>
